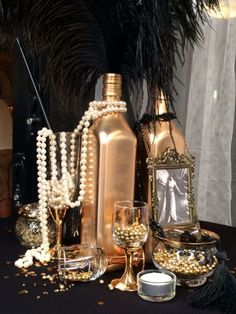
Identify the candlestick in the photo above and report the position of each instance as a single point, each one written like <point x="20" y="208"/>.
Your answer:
<point x="156" y="285"/>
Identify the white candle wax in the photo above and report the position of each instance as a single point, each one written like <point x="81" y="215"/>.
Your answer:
<point x="156" y="285"/>
<point x="156" y="278"/>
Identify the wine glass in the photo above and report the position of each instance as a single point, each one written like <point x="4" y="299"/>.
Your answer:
<point x="62" y="179"/>
<point x="130" y="231"/>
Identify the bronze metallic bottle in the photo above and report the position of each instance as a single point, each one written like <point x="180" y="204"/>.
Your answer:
<point x="110" y="170"/>
<point x="158" y="136"/>
<point x="154" y="139"/>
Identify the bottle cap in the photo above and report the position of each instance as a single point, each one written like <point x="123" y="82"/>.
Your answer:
<point x="112" y="83"/>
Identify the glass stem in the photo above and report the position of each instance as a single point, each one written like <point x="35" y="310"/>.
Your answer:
<point x="59" y="235"/>
<point x="128" y="277"/>
<point x="138" y="259"/>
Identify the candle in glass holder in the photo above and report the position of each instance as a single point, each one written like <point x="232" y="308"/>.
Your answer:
<point x="156" y="285"/>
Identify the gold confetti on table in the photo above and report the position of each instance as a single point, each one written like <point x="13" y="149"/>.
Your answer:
<point x="101" y="281"/>
<point x="100" y="302"/>
<point x="32" y="273"/>
<point x="23" y="291"/>
<point x="6" y="277"/>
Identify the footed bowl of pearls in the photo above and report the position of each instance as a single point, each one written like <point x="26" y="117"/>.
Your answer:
<point x="192" y="263"/>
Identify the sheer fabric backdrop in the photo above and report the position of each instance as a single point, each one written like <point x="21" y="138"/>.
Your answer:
<point x="206" y="107"/>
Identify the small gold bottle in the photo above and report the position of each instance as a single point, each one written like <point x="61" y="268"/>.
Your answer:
<point x="110" y="171"/>
<point x="155" y="139"/>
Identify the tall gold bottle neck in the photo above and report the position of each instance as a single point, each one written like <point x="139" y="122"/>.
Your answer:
<point x="112" y="87"/>
<point x="160" y="104"/>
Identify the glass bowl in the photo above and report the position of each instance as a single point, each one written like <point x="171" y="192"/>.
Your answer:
<point x="192" y="263"/>
<point x="81" y="262"/>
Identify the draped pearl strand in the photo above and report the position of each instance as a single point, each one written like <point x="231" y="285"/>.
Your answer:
<point x="96" y="110"/>
<point x="42" y="252"/>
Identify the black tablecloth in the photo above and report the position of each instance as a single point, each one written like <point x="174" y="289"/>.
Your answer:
<point x="33" y="294"/>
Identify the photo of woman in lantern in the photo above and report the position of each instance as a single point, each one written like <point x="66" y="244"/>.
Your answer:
<point x="171" y="187"/>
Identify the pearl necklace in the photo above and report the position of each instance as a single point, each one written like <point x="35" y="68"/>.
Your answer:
<point x="96" y="110"/>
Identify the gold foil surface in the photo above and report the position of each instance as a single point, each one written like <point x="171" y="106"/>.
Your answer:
<point x="110" y="172"/>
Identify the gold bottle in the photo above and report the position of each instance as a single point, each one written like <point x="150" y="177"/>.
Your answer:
<point x="110" y="171"/>
<point x="155" y="139"/>
<point x="158" y="139"/>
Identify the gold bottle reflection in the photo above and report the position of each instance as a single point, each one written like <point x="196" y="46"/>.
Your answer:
<point x="110" y="170"/>
<point x="158" y="136"/>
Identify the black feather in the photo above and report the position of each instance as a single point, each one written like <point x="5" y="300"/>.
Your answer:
<point x="85" y="39"/>
<point x="66" y="32"/>
<point x="12" y="15"/>
<point x="218" y="293"/>
<point x="73" y="41"/>
<point x="156" y="31"/>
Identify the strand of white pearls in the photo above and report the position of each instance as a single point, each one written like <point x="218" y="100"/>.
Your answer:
<point x="42" y="252"/>
<point x="96" y="110"/>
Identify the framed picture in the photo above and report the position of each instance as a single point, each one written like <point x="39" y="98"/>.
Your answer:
<point x="172" y="186"/>
<point x="172" y="197"/>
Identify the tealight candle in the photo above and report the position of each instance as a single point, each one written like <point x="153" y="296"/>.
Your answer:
<point x="156" y="285"/>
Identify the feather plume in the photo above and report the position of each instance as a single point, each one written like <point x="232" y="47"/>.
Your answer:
<point x="85" y="39"/>
<point x="66" y="32"/>
<point x="73" y="41"/>
<point x="143" y="38"/>
<point x="156" y="31"/>
<point x="12" y="14"/>
<point x="219" y="292"/>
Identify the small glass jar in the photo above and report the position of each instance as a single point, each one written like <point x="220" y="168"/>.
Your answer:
<point x="81" y="262"/>
<point x="192" y="263"/>
<point x="27" y="227"/>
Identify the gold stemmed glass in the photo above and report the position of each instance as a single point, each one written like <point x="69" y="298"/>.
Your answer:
<point x="61" y="187"/>
<point x="130" y="231"/>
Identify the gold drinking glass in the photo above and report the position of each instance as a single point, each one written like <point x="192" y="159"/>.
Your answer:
<point x="61" y="185"/>
<point x="130" y="231"/>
